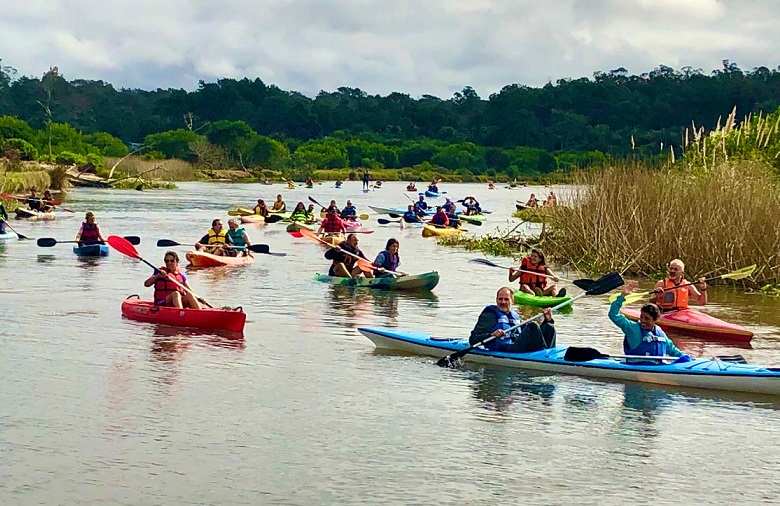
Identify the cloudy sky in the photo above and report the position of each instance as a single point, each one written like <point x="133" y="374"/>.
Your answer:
<point x="418" y="47"/>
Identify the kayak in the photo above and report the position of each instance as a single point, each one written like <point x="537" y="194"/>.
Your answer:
<point x="203" y="259"/>
<point x="350" y="225"/>
<point x="334" y="239"/>
<point x="411" y="283"/>
<point x="231" y="320"/>
<point x="433" y="195"/>
<point x="255" y="218"/>
<point x="699" y="373"/>
<point x="695" y="323"/>
<point x="8" y="235"/>
<point x="526" y="299"/>
<point x="299" y="225"/>
<point x="396" y="210"/>
<point x="414" y="224"/>
<point x="91" y="250"/>
<point x="472" y="218"/>
<point x="411" y="188"/>
<point x="431" y="231"/>
<point x="27" y="214"/>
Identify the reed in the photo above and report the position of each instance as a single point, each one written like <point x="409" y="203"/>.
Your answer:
<point x="17" y="182"/>
<point x="164" y="170"/>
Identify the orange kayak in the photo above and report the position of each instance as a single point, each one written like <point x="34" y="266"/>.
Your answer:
<point x="203" y="259"/>
<point x="231" y="320"/>
<point x="695" y="323"/>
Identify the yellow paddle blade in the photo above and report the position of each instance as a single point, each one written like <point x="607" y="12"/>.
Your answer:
<point x="741" y="273"/>
<point x="630" y="298"/>
<point x="364" y="216"/>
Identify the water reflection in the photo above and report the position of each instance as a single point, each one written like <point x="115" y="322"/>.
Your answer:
<point x="362" y="302"/>
<point x="498" y="389"/>
<point x="46" y="258"/>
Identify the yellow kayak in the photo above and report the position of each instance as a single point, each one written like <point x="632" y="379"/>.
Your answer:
<point x="431" y="231"/>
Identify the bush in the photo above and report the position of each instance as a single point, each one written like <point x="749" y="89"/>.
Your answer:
<point x="26" y="150"/>
<point x="68" y="158"/>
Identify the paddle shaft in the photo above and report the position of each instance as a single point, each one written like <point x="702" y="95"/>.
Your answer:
<point x="20" y="236"/>
<point x="176" y="282"/>
<point x="361" y="260"/>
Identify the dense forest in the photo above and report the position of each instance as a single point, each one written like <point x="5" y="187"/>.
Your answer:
<point x="519" y="130"/>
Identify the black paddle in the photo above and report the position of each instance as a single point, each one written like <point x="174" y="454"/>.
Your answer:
<point x="599" y="287"/>
<point x="576" y="354"/>
<point x="18" y="235"/>
<point x="580" y="283"/>
<point x="383" y="221"/>
<point x="255" y="248"/>
<point x="48" y="242"/>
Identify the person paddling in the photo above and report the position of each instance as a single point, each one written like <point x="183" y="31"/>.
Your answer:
<point x="89" y="233"/>
<point x="421" y="206"/>
<point x="261" y="209"/>
<point x="532" y="201"/>
<point x="440" y="219"/>
<point x="3" y="218"/>
<point x="346" y="266"/>
<point x="434" y="186"/>
<point x="387" y="260"/>
<point x="166" y="293"/>
<point x="333" y="206"/>
<point x="366" y="179"/>
<point x="411" y="215"/>
<point x="531" y="283"/>
<point x="332" y="224"/>
<point x="472" y="205"/>
<point x="299" y="213"/>
<point x="349" y="212"/>
<point x="239" y="238"/>
<point x="670" y="296"/>
<point x="279" y="205"/>
<point x="215" y="240"/>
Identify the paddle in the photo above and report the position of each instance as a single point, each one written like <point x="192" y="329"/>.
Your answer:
<point x="383" y="221"/>
<point x="48" y="242"/>
<point x="255" y="248"/>
<point x="127" y="249"/>
<point x="52" y="202"/>
<point x="363" y="216"/>
<point x="18" y="235"/>
<point x="575" y="354"/>
<point x="600" y="286"/>
<point x="580" y="283"/>
<point x="738" y="274"/>
<point x="364" y="264"/>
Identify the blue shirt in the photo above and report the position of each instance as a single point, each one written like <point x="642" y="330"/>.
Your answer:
<point x="633" y="332"/>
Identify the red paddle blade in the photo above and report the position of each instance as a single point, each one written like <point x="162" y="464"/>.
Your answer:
<point x="123" y="246"/>
<point x="297" y="235"/>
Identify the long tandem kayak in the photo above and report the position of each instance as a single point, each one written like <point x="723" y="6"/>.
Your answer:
<point x="700" y="373"/>
<point x="695" y="323"/>
<point x="231" y="320"/>
<point x="203" y="259"/>
<point x="412" y="283"/>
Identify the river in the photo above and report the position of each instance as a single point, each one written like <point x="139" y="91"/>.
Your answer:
<point x="303" y="410"/>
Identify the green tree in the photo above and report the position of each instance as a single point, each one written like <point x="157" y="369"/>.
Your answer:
<point x="173" y="143"/>
<point x="107" y="144"/>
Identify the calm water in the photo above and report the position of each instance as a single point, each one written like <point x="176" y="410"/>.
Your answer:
<point x="95" y="409"/>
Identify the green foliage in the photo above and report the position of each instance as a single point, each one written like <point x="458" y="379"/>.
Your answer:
<point x="173" y="143"/>
<point x="326" y="154"/>
<point x="26" y="150"/>
<point x="15" y="128"/>
<point x="68" y="158"/>
<point x="107" y="144"/>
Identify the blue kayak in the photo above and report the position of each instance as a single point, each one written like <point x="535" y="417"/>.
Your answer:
<point x="92" y="250"/>
<point x="706" y="373"/>
<point x="401" y="210"/>
<point x="433" y="195"/>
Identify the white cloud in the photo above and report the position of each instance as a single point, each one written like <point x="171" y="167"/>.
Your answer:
<point x="434" y="47"/>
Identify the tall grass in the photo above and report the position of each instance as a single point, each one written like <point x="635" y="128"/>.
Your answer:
<point x="165" y="170"/>
<point x="17" y="182"/>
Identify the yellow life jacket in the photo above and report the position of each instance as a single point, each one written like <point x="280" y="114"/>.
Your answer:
<point x="215" y="238"/>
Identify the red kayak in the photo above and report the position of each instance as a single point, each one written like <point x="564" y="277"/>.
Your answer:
<point x="695" y="323"/>
<point x="203" y="259"/>
<point x="231" y="320"/>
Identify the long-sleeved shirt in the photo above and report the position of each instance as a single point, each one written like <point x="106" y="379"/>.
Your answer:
<point x="484" y="327"/>
<point x="633" y="332"/>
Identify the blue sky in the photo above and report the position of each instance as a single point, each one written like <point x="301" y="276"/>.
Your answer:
<point x="431" y="47"/>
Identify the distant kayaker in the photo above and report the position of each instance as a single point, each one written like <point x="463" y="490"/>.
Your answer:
<point x="333" y="206"/>
<point x="215" y="239"/>
<point x="239" y="238"/>
<point x="309" y="182"/>
<point x="421" y="206"/>
<point x="89" y="233"/>
<point x="551" y="201"/>
<point x="33" y="201"/>
<point x="299" y="213"/>
<point x="166" y="293"/>
<point x="349" y="212"/>
<point x="434" y="186"/>
<point x="47" y="202"/>
<point x="440" y="218"/>
<point x="339" y="183"/>
<point x="496" y="319"/>
<point x="449" y="206"/>
<point x="279" y="205"/>
<point x="332" y="224"/>
<point x="531" y="283"/>
<point x="411" y="215"/>
<point x="346" y="266"/>
<point x="644" y="337"/>
<point x="387" y="259"/>
<point x="670" y="296"/>
<point x="411" y="187"/>
<point x="472" y="205"/>
<point x="261" y="209"/>
<point x="532" y="201"/>
<point x="310" y="213"/>
<point x="366" y="179"/>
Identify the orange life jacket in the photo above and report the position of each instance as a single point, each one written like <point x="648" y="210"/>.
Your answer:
<point x="673" y="299"/>
<point x="165" y="287"/>
<point x="530" y="279"/>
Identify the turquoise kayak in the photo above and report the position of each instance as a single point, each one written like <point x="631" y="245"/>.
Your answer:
<point x="526" y="299"/>
<point x="92" y="250"/>
<point x="709" y="373"/>
<point x="412" y="283"/>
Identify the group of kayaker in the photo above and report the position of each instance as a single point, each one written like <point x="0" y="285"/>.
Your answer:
<point x="346" y="259"/>
<point x="231" y="242"/>
<point x="551" y="201"/>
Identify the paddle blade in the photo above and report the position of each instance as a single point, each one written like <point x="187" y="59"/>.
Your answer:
<point x="485" y="261"/>
<point x="605" y="284"/>
<point x="263" y="248"/>
<point x="575" y="354"/>
<point x="364" y="216"/>
<point x="585" y="284"/>
<point x="630" y="298"/>
<point x="46" y="242"/>
<point x="297" y="235"/>
<point x="166" y="243"/>
<point x="383" y="221"/>
<point x="133" y="239"/>
<point x="123" y="246"/>
<point x="741" y="273"/>
<point x="393" y="215"/>
<point x="273" y="218"/>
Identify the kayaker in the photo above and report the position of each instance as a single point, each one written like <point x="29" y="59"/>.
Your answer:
<point x="238" y="237"/>
<point x="89" y="233"/>
<point x="551" y="201"/>
<point x="387" y="259"/>
<point x="472" y="205"/>
<point x="366" y="179"/>
<point x="33" y="202"/>
<point x="346" y="266"/>
<point x="532" y="201"/>
<point x="644" y="337"/>
<point x="411" y="216"/>
<point x="299" y="213"/>
<point x="671" y="297"/>
<point x="279" y="205"/>
<point x="47" y="202"/>
<point x="440" y="218"/>
<point x="421" y="206"/>
<point x="3" y="218"/>
<point x="339" y="183"/>
<point x="449" y="206"/>
<point x="531" y="283"/>
<point x="332" y="224"/>
<point x="349" y="212"/>
<point x="166" y="293"/>
<point x="215" y="239"/>
<point x="333" y="206"/>
<point x="496" y="319"/>
<point x="434" y="186"/>
<point x="310" y="213"/>
<point x="309" y="182"/>
<point x="261" y="209"/>
<point x="411" y="187"/>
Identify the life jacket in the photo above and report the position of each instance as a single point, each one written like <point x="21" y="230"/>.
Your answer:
<point x="217" y="238"/>
<point x="505" y="321"/>
<point x="349" y="211"/>
<point x="164" y="287"/>
<point x="531" y="279"/>
<point x="237" y="238"/>
<point x="34" y="204"/>
<point x="261" y="211"/>
<point x="422" y="205"/>
<point x="89" y="233"/>
<point x="332" y="224"/>
<point x="440" y="219"/>
<point x="434" y="189"/>
<point x="410" y="217"/>
<point x="449" y="207"/>
<point x="653" y="343"/>
<point x="675" y="299"/>
<point x="278" y="205"/>
<point x="299" y="216"/>
<point x="387" y="261"/>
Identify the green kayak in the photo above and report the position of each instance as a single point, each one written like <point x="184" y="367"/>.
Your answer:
<point x="411" y="283"/>
<point x="526" y="299"/>
<point x="472" y="218"/>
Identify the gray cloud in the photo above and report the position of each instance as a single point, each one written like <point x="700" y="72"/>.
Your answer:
<point x="435" y="47"/>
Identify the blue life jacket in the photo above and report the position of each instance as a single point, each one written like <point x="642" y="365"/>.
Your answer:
<point x="348" y="211"/>
<point x="386" y="261"/>
<point x="410" y="217"/>
<point x="422" y="205"/>
<point x="449" y="207"/>
<point x="504" y="322"/>
<point x="237" y="238"/>
<point x="653" y="343"/>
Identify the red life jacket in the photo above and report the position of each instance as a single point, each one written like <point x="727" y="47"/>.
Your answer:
<point x="164" y="287"/>
<point x="332" y="224"/>
<point x="89" y="233"/>
<point x="530" y="279"/>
